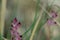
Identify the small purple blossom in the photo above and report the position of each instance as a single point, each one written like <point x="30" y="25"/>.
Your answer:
<point x="54" y="14"/>
<point x="50" y="22"/>
<point x="15" y="23"/>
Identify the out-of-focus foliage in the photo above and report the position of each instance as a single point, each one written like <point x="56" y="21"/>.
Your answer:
<point x="0" y="1"/>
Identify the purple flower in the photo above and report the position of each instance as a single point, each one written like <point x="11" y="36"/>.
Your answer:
<point x="54" y="14"/>
<point x="15" y="24"/>
<point x="50" y="22"/>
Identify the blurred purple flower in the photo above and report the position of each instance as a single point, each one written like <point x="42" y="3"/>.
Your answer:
<point x="50" y="22"/>
<point x="54" y="14"/>
<point x="15" y="25"/>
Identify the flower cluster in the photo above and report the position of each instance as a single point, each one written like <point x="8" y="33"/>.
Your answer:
<point x="50" y="20"/>
<point x="14" y="27"/>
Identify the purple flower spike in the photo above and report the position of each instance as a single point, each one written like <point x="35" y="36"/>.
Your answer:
<point x="54" y="14"/>
<point x="15" y="25"/>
